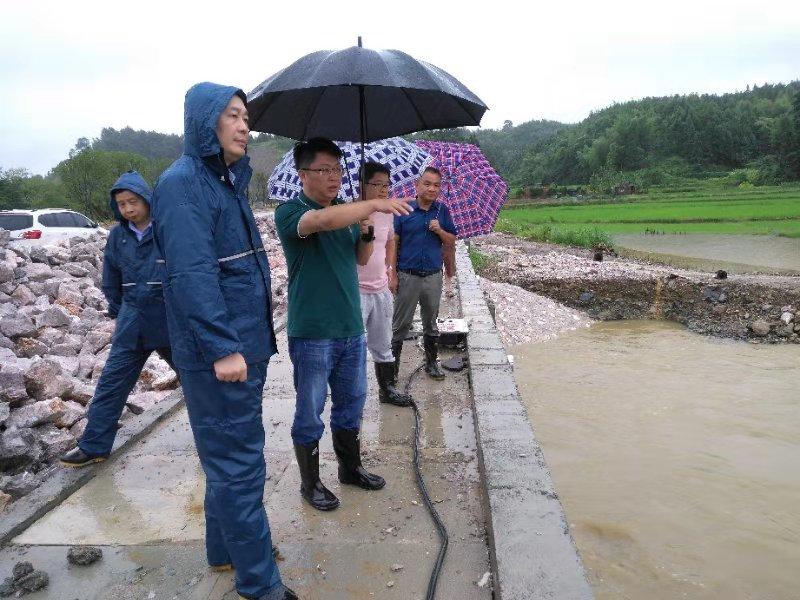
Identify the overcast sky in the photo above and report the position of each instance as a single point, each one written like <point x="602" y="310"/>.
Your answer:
<point x="68" y="69"/>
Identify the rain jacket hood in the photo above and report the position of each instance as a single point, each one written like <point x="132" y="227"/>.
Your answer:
<point x="202" y="108"/>
<point x="133" y="182"/>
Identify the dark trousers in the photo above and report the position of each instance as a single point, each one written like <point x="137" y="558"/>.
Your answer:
<point x="121" y="371"/>
<point x="413" y="290"/>
<point x="229" y="435"/>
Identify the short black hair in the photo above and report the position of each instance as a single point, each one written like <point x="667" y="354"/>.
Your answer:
<point x="372" y="167"/>
<point x="305" y="152"/>
<point x="431" y="170"/>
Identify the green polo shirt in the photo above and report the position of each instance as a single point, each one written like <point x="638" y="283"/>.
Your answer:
<point x="323" y="281"/>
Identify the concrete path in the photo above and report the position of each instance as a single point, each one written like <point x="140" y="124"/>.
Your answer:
<point x="145" y="509"/>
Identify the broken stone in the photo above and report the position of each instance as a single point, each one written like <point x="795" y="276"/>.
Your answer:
<point x="787" y="317"/>
<point x="21" y="569"/>
<point x="168" y="381"/>
<point x="50" y="335"/>
<point x="22" y="296"/>
<point x="84" y="555"/>
<point x="78" y="429"/>
<point x="585" y="298"/>
<point x="21" y="484"/>
<point x="81" y="392"/>
<point x="97" y="340"/>
<point x="32" y="415"/>
<point x="55" y="441"/>
<point x="5" y="500"/>
<point x="55" y="316"/>
<point x="76" y="270"/>
<point x="138" y="403"/>
<point x="30" y="347"/>
<point x="38" y="272"/>
<point x="18" y="448"/>
<point x="759" y="327"/>
<point x="17" y="326"/>
<point x="86" y="361"/>
<point x="12" y="384"/>
<point x="6" y="273"/>
<point x="70" y="412"/>
<point x="41" y="371"/>
<point x="69" y="364"/>
<point x="38" y="580"/>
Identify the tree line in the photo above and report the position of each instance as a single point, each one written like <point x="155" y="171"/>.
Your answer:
<point x="752" y="137"/>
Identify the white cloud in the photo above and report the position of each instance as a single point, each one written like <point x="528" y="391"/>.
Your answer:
<point x="68" y="69"/>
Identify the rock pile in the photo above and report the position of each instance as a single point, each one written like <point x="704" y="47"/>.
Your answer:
<point x="54" y="342"/>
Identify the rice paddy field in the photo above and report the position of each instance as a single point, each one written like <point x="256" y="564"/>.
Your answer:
<point x="768" y="210"/>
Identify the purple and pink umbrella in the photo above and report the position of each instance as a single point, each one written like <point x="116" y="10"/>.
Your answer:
<point x="471" y="188"/>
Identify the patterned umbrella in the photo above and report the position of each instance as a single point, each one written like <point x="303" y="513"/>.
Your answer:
<point x="471" y="188"/>
<point x="404" y="159"/>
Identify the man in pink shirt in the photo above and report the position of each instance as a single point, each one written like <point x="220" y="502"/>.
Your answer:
<point x="377" y="281"/>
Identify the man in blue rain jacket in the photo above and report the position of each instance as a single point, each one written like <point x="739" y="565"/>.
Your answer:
<point x="219" y="311"/>
<point x="133" y="273"/>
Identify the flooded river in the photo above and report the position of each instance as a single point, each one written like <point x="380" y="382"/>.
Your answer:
<point x="676" y="456"/>
<point x="734" y="253"/>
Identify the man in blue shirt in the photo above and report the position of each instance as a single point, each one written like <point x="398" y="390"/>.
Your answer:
<point x="420" y="237"/>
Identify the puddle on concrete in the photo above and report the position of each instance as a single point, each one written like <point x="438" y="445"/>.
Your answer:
<point x="734" y="253"/>
<point x="675" y="456"/>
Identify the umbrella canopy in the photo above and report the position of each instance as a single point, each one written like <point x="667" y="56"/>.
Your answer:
<point x="358" y="94"/>
<point x="405" y="160"/>
<point x="471" y="188"/>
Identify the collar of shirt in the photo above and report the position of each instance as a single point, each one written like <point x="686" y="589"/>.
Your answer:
<point x="140" y="234"/>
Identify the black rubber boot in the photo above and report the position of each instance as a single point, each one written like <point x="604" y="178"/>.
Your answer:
<point x="431" y="355"/>
<point x="387" y="393"/>
<point x="77" y="458"/>
<point x="281" y="593"/>
<point x="397" y="349"/>
<point x="347" y="445"/>
<point x="311" y="488"/>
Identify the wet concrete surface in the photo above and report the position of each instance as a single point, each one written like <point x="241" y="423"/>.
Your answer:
<point x="145" y="509"/>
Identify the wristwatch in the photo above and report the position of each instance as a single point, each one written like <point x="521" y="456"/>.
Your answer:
<point x="369" y="236"/>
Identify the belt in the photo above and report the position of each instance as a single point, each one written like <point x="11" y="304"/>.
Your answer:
<point x="420" y="273"/>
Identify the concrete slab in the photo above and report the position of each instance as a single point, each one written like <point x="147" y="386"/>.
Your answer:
<point x="145" y="508"/>
<point x="533" y="554"/>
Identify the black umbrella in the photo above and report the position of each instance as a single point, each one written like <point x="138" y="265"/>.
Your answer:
<point x="358" y="94"/>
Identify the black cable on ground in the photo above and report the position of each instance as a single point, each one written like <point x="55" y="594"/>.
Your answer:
<point x="445" y="539"/>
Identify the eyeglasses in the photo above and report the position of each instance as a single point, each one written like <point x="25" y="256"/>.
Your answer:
<point x="327" y="171"/>
<point x="380" y="186"/>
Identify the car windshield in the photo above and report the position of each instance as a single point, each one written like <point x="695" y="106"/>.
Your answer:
<point x="14" y="222"/>
<point x="62" y="219"/>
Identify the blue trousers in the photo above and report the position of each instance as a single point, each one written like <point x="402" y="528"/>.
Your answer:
<point x="119" y="375"/>
<point x="229" y="435"/>
<point x="318" y="363"/>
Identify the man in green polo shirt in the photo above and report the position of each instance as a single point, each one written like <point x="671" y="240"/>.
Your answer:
<point x="323" y="238"/>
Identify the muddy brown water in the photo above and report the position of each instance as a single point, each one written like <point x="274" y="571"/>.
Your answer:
<point x="734" y="253"/>
<point x="676" y="456"/>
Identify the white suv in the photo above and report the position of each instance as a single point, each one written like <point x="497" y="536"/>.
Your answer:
<point x="47" y="226"/>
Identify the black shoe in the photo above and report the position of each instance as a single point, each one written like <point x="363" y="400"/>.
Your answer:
<point x="387" y="393"/>
<point x="282" y="593"/>
<point x="347" y="445"/>
<point x="77" y="458"/>
<point x="431" y="355"/>
<point x="397" y="350"/>
<point x="311" y="488"/>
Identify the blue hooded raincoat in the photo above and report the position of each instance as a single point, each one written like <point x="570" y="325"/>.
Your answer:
<point x="133" y="276"/>
<point x="218" y="300"/>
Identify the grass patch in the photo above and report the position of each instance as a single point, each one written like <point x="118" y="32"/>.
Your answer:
<point x="752" y="211"/>
<point x="583" y="237"/>
<point x="478" y="259"/>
